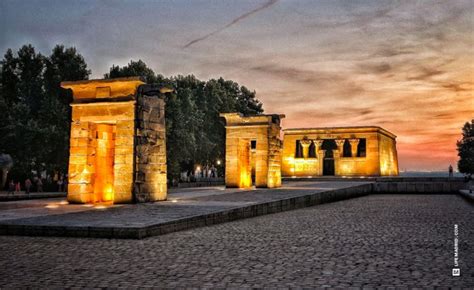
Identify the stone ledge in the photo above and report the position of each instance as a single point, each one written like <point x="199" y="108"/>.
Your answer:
<point x="467" y="195"/>
<point x="212" y="218"/>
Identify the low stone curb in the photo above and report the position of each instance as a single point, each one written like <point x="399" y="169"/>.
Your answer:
<point x="190" y="222"/>
<point x="465" y="193"/>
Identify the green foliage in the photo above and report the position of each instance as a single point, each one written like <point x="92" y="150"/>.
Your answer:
<point x="35" y="119"/>
<point x="466" y="149"/>
<point x="195" y="133"/>
<point x="36" y="122"/>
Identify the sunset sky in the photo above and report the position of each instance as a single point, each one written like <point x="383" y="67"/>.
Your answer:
<point x="407" y="66"/>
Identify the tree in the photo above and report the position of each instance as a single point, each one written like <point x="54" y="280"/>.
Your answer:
<point x="64" y="64"/>
<point x="29" y="70"/>
<point x="35" y="118"/>
<point x="22" y="94"/>
<point x="466" y="149"/>
<point x="9" y="78"/>
<point x="195" y="133"/>
<point x="134" y="68"/>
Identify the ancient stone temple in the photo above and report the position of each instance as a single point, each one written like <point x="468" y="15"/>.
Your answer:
<point x="117" y="145"/>
<point x="253" y="150"/>
<point x="346" y="151"/>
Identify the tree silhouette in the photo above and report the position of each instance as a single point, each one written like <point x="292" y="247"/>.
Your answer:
<point x="466" y="149"/>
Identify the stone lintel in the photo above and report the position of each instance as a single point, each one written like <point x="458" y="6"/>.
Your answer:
<point x="93" y="90"/>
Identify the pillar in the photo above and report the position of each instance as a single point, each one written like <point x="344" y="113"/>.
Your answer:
<point x="340" y="144"/>
<point x="354" y="143"/>
<point x="337" y="157"/>
<point x="305" y="143"/>
<point x="321" y="154"/>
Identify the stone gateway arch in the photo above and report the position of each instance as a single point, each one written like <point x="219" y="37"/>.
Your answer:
<point x="117" y="142"/>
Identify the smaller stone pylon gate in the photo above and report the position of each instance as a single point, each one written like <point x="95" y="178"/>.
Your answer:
<point x="253" y="150"/>
<point x="118" y="141"/>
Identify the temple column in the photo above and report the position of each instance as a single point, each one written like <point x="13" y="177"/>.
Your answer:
<point x="320" y="154"/>
<point x="354" y="143"/>
<point x="305" y="143"/>
<point x="337" y="155"/>
<point x="317" y="144"/>
<point x="340" y="144"/>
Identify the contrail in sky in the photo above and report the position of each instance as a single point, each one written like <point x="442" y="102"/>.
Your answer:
<point x="241" y="17"/>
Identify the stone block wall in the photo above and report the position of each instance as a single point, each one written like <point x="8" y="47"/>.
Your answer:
<point x="388" y="156"/>
<point x="274" y="157"/>
<point x="83" y="149"/>
<point x="150" y="149"/>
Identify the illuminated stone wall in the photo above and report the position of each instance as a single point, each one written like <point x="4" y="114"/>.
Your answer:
<point x="380" y="152"/>
<point x="117" y="142"/>
<point x="150" y="181"/>
<point x="388" y="156"/>
<point x="242" y="159"/>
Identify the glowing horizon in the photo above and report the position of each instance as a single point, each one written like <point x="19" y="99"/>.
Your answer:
<point x="406" y="66"/>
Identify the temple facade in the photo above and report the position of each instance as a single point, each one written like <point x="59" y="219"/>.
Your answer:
<point x="117" y="142"/>
<point x="339" y="151"/>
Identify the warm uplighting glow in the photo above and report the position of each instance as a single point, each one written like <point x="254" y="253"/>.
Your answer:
<point x="253" y="150"/>
<point x="174" y="200"/>
<point x="100" y="206"/>
<point x="109" y="193"/>
<point x="245" y="179"/>
<point x="103" y="159"/>
<point x="52" y="205"/>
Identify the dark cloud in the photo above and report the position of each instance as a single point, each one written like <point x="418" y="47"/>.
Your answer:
<point x="392" y="52"/>
<point x="378" y="68"/>
<point x="295" y="74"/>
<point x="355" y="19"/>
<point x="240" y="18"/>
<point x="426" y="73"/>
<point x="456" y="87"/>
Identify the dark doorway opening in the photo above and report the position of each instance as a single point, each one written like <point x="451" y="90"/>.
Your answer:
<point x="328" y="162"/>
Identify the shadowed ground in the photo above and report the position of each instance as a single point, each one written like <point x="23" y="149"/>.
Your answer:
<point x="375" y="240"/>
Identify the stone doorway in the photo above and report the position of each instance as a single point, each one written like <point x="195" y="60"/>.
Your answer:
<point x="103" y="164"/>
<point x="328" y="162"/>
<point x="244" y="164"/>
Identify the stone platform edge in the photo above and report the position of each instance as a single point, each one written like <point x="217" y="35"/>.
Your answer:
<point x="467" y="195"/>
<point x="192" y="221"/>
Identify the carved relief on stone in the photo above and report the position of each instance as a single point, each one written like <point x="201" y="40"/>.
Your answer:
<point x="317" y="144"/>
<point x="340" y="144"/>
<point x="305" y="143"/>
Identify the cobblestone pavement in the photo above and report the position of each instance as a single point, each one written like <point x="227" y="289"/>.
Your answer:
<point x="371" y="241"/>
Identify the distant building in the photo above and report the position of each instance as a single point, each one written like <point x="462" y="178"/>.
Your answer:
<point x="339" y="151"/>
